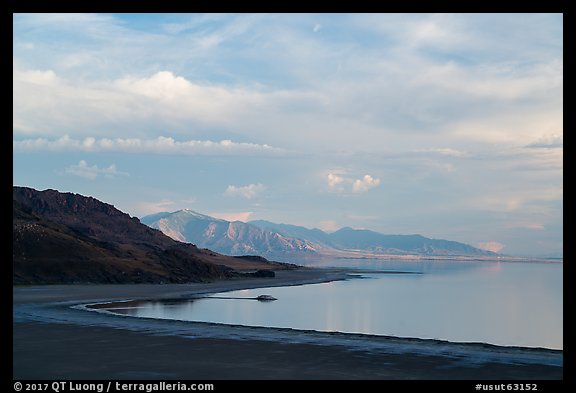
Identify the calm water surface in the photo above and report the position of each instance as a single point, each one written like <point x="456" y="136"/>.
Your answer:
<point x="494" y="302"/>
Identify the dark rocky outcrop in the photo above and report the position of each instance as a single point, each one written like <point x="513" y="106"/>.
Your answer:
<point x="263" y="273"/>
<point x="70" y="238"/>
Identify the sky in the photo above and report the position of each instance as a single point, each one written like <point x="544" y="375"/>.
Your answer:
<point x="444" y="125"/>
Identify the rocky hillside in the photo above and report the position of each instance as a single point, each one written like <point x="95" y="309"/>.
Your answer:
<point x="231" y="238"/>
<point x="70" y="238"/>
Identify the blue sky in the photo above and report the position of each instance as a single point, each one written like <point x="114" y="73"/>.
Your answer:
<point x="446" y="125"/>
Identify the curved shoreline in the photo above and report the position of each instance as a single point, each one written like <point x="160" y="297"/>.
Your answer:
<point x="55" y="309"/>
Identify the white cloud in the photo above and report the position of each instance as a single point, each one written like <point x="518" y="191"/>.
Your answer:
<point x="431" y="31"/>
<point x="250" y="191"/>
<point x="240" y="216"/>
<point x="334" y="180"/>
<point x="45" y="103"/>
<point x="82" y="169"/>
<point x="163" y="85"/>
<point x="434" y="102"/>
<point x="340" y="183"/>
<point x="160" y="145"/>
<point x="38" y="77"/>
<point x="364" y="184"/>
<point x="371" y="84"/>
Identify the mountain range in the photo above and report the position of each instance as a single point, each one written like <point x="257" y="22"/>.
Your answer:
<point x="285" y="242"/>
<point x="69" y="238"/>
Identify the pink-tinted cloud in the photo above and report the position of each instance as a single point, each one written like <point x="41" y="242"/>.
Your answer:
<point x="491" y="246"/>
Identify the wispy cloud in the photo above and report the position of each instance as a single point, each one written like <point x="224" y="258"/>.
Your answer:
<point x="250" y="191"/>
<point x="238" y="216"/>
<point x="160" y="145"/>
<point x="82" y="169"/>
<point x="501" y="203"/>
<point x="458" y="113"/>
<point x="445" y="151"/>
<point x="526" y="200"/>
<point x="145" y="208"/>
<point x="524" y="224"/>
<point x="548" y="141"/>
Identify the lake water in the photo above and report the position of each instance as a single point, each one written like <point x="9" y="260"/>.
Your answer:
<point x="502" y="303"/>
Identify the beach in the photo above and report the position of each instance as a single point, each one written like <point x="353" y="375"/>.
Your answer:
<point x="56" y="337"/>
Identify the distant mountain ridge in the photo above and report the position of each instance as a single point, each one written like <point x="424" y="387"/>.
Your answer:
<point x="286" y="242"/>
<point x="230" y="238"/>
<point x="67" y="238"/>
<point x="374" y="242"/>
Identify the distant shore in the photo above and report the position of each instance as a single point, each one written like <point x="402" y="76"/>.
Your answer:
<point x="53" y="338"/>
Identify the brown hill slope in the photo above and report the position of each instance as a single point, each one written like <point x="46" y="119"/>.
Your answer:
<point x="67" y="238"/>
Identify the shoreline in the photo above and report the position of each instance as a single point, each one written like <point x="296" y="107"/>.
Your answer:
<point x="42" y="314"/>
<point x="69" y="292"/>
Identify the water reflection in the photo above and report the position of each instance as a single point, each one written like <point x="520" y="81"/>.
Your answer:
<point x="500" y="303"/>
<point x="162" y="309"/>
